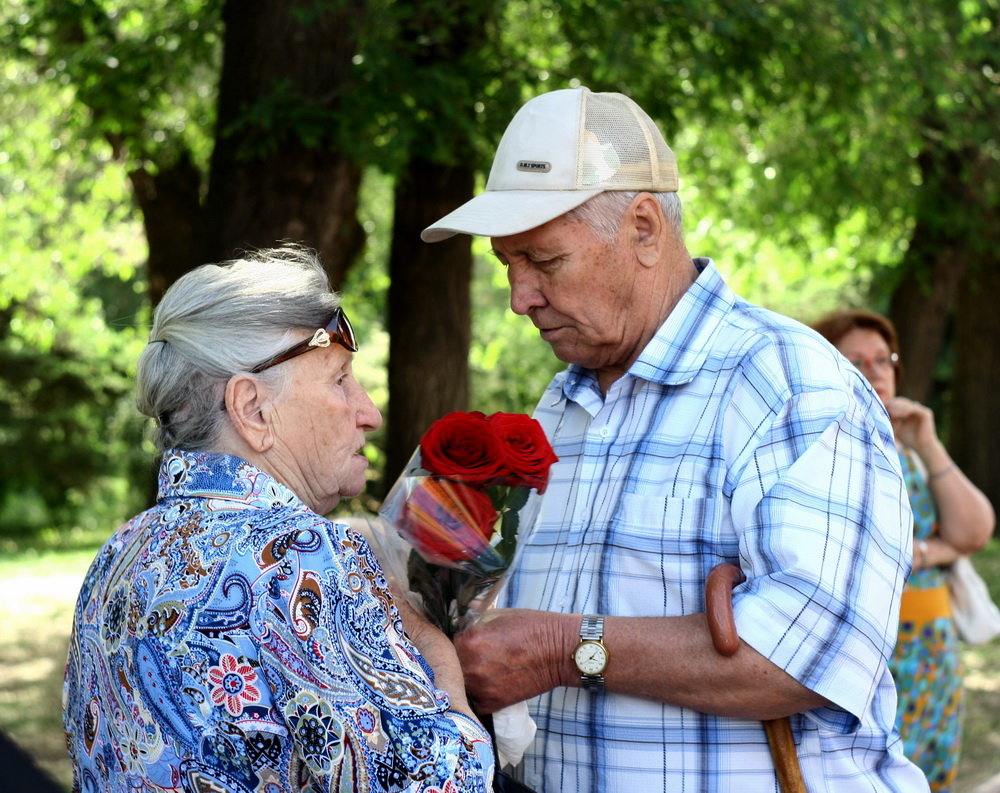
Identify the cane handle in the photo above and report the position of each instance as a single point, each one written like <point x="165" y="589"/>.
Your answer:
<point x="719" y="607"/>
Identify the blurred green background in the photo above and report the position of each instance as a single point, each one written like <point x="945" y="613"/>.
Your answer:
<point x="831" y="154"/>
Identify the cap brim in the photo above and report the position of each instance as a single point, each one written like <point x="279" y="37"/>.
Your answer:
<point x="500" y="213"/>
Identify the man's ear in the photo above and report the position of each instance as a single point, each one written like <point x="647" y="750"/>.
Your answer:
<point x="249" y="408"/>
<point x="648" y="229"/>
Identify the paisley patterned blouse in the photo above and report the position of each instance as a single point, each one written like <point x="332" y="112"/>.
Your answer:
<point x="231" y="639"/>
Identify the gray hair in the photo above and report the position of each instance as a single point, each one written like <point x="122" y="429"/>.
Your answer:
<point x="216" y="321"/>
<point x="603" y="213"/>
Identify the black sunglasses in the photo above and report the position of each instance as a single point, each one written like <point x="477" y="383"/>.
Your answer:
<point x="338" y="330"/>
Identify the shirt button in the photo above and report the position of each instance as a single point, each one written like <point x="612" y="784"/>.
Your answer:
<point x="605" y="432"/>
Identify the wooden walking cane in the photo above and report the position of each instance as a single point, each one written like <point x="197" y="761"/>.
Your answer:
<point x="721" y="624"/>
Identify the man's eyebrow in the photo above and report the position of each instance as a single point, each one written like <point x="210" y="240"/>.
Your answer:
<point x="530" y="251"/>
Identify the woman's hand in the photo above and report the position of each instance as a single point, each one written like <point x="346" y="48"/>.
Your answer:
<point x="439" y="652"/>
<point x="965" y="515"/>
<point x="914" y="426"/>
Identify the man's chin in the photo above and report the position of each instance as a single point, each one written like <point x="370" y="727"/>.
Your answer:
<point x="570" y="354"/>
<point x="562" y="352"/>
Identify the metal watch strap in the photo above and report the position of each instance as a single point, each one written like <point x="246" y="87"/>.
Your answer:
<point x="592" y="629"/>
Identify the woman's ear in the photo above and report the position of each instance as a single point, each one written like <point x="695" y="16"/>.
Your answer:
<point x="648" y="231"/>
<point x="249" y="408"/>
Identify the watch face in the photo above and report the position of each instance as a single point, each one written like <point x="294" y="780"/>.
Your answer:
<point x="590" y="658"/>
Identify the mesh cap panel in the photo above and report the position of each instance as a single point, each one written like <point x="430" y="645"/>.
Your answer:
<point x="621" y="148"/>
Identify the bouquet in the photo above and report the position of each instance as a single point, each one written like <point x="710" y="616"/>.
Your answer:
<point x="457" y="504"/>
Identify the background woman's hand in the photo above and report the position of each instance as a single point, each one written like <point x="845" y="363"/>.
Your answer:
<point x="913" y="424"/>
<point x="965" y="516"/>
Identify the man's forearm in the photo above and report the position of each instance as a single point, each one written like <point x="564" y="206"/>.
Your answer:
<point x="521" y="653"/>
<point x="673" y="660"/>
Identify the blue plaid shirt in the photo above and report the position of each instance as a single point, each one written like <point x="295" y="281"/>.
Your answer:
<point x="737" y="436"/>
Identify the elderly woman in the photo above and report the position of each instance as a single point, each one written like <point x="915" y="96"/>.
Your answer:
<point x="231" y="638"/>
<point x="951" y="517"/>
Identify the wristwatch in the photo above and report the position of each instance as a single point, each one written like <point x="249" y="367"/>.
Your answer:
<point x="591" y="656"/>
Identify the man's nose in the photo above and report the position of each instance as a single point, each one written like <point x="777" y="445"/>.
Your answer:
<point x="525" y="290"/>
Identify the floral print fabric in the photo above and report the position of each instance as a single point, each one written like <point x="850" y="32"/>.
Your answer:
<point x="231" y="639"/>
<point x="925" y="664"/>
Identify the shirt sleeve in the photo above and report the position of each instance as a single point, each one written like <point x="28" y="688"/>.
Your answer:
<point x="357" y="698"/>
<point x="823" y="519"/>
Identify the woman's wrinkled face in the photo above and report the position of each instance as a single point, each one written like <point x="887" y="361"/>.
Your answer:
<point x="870" y="353"/>
<point x="321" y="418"/>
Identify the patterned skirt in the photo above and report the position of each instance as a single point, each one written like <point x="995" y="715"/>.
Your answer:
<point x="926" y="668"/>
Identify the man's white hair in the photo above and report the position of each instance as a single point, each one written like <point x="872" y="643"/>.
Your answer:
<point x="603" y="213"/>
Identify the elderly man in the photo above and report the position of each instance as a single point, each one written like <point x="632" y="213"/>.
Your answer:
<point x="692" y="429"/>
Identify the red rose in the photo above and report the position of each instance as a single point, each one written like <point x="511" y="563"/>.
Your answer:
<point x="464" y="447"/>
<point x="448" y="521"/>
<point x="529" y="453"/>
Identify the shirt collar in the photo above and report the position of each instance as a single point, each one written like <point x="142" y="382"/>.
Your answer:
<point x="222" y="478"/>
<point x="678" y="350"/>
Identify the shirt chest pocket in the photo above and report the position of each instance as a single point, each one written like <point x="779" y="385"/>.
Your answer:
<point x="661" y="547"/>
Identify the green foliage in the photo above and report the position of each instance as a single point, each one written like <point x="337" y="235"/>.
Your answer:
<point x="852" y="101"/>
<point x="800" y="123"/>
<point x="282" y="114"/>
<point x="442" y="78"/>
<point x="797" y="127"/>
<point x="99" y="89"/>
<point x="72" y="302"/>
<point x="144" y="71"/>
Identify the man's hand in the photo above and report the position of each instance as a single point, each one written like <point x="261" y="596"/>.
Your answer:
<point x="513" y="654"/>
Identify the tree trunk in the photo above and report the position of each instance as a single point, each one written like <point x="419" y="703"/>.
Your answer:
<point x="429" y="304"/>
<point x="975" y="420"/>
<point x="429" y="318"/>
<point x="921" y="310"/>
<point x="952" y="282"/>
<point x="922" y="305"/>
<point x="278" y="170"/>
<point x="171" y="210"/>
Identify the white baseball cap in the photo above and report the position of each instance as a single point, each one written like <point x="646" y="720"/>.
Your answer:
<point x="560" y="150"/>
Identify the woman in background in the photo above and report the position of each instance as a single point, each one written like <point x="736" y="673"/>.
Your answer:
<point x="951" y="517"/>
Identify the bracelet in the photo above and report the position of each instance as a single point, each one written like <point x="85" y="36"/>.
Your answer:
<point x="922" y="547"/>
<point x="942" y="472"/>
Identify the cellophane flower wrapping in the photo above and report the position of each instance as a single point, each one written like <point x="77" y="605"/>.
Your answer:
<point x="458" y="505"/>
<point x="448" y="530"/>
